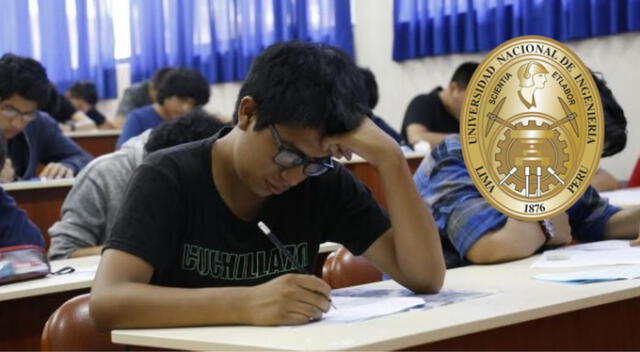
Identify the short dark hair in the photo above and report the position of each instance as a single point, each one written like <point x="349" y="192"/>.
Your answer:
<point x="372" y="87"/>
<point x="25" y="77"/>
<point x="615" y="123"/>
<point x="184" y="83"/>
<point x="306" y="85"/>
<point x="463" y="73"/>
<point x="159" y="75"/>
<point x="84" y="90"/>
<point x="195" y="125"/>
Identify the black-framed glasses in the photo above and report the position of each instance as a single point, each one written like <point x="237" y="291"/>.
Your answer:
<point x="288" y="157"/>
<point x="13" y="113"/>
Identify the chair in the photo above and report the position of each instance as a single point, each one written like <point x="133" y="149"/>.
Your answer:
<point x="343" y="269"/>
<point x="70" y="328"/>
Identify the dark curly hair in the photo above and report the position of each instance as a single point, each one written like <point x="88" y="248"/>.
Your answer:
<point x="615" y="123"/>
<point x="25" y="77"/>
<point x="184" y="83"/>
<point x="372" y="87"/>
<point x="195" y="125"/>
<point x="84" y="90"/>
<point x="306" y="85"/>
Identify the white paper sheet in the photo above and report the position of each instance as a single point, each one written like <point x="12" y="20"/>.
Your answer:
<point x="626" y="272"/>
<point x="614" y="252"/>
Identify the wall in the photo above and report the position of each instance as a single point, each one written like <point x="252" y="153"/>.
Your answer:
<point x="615" y="56"/>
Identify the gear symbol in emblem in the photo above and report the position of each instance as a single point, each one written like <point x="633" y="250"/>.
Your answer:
<point x="532" y="157"/>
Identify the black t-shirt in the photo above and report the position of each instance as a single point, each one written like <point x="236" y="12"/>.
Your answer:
<point x="428" y="110"/>
<point x="96" y="116"/>
<point x="173" y="217"/>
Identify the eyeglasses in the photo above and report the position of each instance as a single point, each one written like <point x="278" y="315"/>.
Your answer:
<point x="12" y="113"/>
<point x="288" y="157"/>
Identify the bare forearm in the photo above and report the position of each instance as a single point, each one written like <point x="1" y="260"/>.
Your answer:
<point x="415" y="236"/>
<point x="623" y="224"/>
<point x="515" y="240"/>
<point x="131" y="305"/>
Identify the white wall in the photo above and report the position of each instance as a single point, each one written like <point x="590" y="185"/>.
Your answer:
<point x="615" y="56"/>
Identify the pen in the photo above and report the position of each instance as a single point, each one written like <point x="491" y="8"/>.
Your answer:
<point x="265" y="229"/>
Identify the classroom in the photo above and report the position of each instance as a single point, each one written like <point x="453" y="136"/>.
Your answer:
<point x="319" y="175"/>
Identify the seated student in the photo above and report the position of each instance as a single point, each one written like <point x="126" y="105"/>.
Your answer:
<point x="33" y="136"/>
<point x="473" y="231"/>
<point x="181" y="90"/>
<point x="138" y="95"/>
<point x="186" y="249"/>
<point x="372" y="90"/>
<point x="431" y="117"/>
<point x="84" y="97"/>
<point x="89" y="211"/>
<point x="15" y="227"/>
<point x="62" y="110"/>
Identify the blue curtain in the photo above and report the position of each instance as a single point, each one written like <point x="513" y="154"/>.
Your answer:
<point x="72" y="45"/>
<point x="221" y="37"/>
<point x="437" y="27"/>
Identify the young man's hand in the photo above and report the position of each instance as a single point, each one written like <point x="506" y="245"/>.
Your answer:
<point x="562" y="230"/>
<point x="8" y="173"/>
<point x="287" y="300"/>
<point x="368" y="141"/>
<point x="56" y="170"/>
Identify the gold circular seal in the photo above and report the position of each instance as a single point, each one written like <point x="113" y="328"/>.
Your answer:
<point x="531" y="128"/>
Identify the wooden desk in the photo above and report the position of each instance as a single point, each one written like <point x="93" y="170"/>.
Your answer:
<point x="98" y="142"/>
<point x="41" y="200"/>
<point x="369" y="175"/>
<point x="525" y="314"/>
<point x="624" y="198"/>
<point x="27" y="305"/>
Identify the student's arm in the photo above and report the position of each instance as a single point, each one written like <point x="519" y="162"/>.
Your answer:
<point x="604" y="181"/>
<point x="418" y="132"/>
<point x="410" y="251"/>
<point x="62" y="156"/>
<point x="85" y="252"/>
<point x="15" y="227"/>
<point x="123" y="297"/>
<point x="516" y="240"/>
<point x="625" y="224"/>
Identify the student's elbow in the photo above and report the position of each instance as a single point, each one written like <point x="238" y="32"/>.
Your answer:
<point x="101" y="310"/>
<point x="429" y="283"/>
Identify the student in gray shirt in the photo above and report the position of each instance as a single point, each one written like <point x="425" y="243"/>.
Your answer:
<point x="138" y="95"/>
<point x="90" y="208"/>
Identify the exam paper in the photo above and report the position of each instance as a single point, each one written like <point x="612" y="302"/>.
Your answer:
<point x="363" y="303"/>
<point x="592" y="276"/>
<point x="614" y="252"/>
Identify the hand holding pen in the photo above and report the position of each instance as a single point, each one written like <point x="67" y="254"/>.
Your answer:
<point x="276" y="242"/>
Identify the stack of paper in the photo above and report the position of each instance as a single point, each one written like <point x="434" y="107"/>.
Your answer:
<point x="613" y="252"/>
